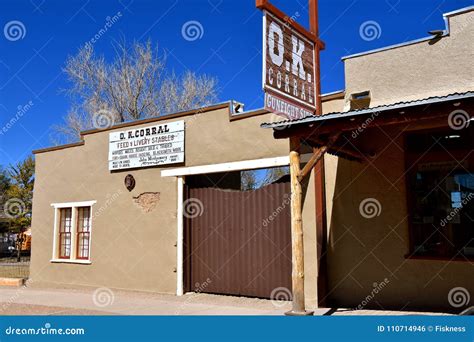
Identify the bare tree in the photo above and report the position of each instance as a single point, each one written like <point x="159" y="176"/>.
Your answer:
<point x="134" y="85"/>
<point x="275" y="173"/>
<point x="255" y="179"/>
<point x="248" y="180"/>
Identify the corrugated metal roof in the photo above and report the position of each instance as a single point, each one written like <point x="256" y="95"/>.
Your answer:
<point x="352" y="113"/>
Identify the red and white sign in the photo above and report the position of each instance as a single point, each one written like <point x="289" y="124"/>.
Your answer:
<point x="288" y="70"/>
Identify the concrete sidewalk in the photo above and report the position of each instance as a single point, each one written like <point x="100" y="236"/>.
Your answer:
<point x="103" y="301"/>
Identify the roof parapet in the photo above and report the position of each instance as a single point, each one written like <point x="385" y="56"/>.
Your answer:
<point x="195" y="111"/>
<point x="446" y="32"/>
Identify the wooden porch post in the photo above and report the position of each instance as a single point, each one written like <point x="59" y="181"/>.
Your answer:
<point x="297" y="275"/>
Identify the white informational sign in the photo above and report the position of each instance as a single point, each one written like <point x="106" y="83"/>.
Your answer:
<point x="148" y="146"/>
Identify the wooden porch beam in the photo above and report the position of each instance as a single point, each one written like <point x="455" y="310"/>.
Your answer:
<point x="317" y="155"/>
<point x="355" y="154"/>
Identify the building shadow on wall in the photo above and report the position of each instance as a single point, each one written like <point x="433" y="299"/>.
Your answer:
<point x="368" y="241"/>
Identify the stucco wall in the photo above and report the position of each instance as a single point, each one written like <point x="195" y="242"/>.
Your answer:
<point x="332" y="106"/>
<point x="132" y="249"/>
<point x="310" y="242"/>
<point x="418" y="70"/>
<point x="364" y="252"/>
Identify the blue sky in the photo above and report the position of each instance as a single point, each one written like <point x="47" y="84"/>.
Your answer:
<point x="229" y="48"/>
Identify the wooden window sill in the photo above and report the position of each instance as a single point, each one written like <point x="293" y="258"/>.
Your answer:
<point x="71" y="261"/>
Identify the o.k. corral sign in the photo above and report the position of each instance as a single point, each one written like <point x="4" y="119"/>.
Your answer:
<point x="148" y="146"/>
<point x="288" y="70"/>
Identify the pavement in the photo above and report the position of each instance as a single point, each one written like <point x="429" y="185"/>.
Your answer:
<point x="103" y="301"/>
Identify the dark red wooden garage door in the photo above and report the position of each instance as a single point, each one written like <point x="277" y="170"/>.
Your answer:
<point x="238" y="242"/>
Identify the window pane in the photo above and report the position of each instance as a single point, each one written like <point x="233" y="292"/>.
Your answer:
<point x="83" y="248"/>
<point x="65" y="226"/>
<point x="83" y="229"/>
<point x="66" y="220"/>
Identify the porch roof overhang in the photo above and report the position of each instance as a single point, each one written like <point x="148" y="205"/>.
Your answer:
<point x="318" y="131"/>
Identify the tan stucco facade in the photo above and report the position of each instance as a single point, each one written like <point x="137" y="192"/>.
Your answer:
<point x="131" y="249"/>
<point x="418" y="70"/>
<point x="364" y="252"/>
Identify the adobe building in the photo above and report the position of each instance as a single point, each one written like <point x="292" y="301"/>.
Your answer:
<point x="400" y="188"/>
<point x="174" y="230"/>
<point x="156" y="205"/>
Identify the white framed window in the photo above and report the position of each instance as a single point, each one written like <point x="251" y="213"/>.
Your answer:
<point x="72" y="232"/>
